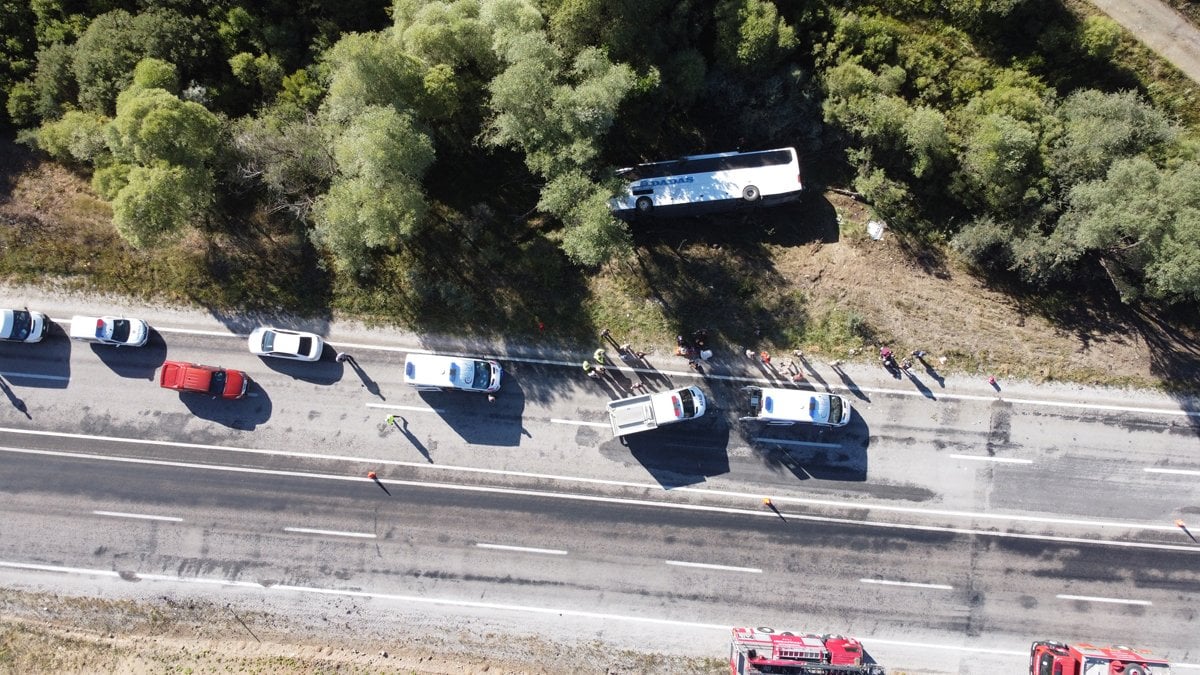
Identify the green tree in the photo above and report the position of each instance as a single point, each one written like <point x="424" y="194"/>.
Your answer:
<point x="152" y="73"/>
<point x="1001" y="164"/>
<point x="751" y="34"/>
<point x="1099" y="128"/>
<point x="159" y="200"/>
<point x="53" y="81"/>
<point x="78" y="136"/>
<point x="367" y="69"/>
<point x="375" y="202"/>
<point x="153" y="125"/>
<point x="1143" y="225"/>
<point x="289" y="154"/>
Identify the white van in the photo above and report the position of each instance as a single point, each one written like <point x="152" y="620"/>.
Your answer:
<point x="432" y="372"/>
<point x="792" y="406"/>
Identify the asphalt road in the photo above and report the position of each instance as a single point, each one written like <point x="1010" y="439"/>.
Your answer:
<point x="946" y="514"/>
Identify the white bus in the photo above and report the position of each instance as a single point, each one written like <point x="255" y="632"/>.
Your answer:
<point x="709" y="182"/>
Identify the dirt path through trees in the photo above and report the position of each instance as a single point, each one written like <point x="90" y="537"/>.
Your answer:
<point x="1161" y="28"/>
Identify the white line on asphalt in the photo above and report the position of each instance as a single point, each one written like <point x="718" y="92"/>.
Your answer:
<point x="332" y="533"/>
<point x="577" y="423"/>
<point x="1003" y="460"/>
<point x="1115" y="601"/>
<point x="910" y="584"/>
<point x="811" y="444"/>
<point x="723" y="568"/>
<point x="34" y="376"/>
<point x="418" y="599"/>
<point x="118" y="514"/>
<point x="413" y="408"/>
<point x="522" y="549"/>
<point x="808" y="501"/>
<point x="1177" y="472"/>
<point x="606" y="500"/>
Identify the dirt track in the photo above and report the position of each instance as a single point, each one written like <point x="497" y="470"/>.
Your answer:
<point x="1160" y="28"/>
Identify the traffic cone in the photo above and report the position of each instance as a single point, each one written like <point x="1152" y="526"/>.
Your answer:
<point x="371" y="475"/>
<point x="1180" y="524"/>
<point x="767" y="502"/>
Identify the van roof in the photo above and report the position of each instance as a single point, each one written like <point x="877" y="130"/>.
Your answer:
<point x="795" y="405"/>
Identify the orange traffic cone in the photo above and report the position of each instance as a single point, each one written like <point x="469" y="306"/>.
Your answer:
<point x="766" y="501"/>
<point x="371" y="475"/>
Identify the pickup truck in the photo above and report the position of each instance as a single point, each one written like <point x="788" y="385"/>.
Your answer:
<point x="216" y="382"/>
<point x="109" y="330"/>
<point x="650" y="411"/>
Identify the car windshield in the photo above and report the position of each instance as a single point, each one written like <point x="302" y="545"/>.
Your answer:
<point x="835" y="409"/>
<point x="482" y="376"/>
<point x="22" y="324"/>
<point x="120" y="329"/>
<point x="216" y="386"/>
<point x="688" y="401"/>
<point x="268" y="341"/>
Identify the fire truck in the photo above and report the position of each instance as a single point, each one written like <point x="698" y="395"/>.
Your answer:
<point x="1056" y="658"/>
<point x="766" y="651"/>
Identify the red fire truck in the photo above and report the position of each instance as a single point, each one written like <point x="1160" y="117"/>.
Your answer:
<point x="1056" y="658"/>
<point x="763" y="650"/>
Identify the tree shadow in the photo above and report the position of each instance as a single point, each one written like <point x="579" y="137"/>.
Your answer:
<point x="136" y="362"/>
<point x="244" y="414"/>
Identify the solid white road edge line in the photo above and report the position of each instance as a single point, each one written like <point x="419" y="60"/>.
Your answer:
<point x="413" y="408"/>
<point x="1177" y="472"/>
<point x="707" y="566"/>
<point x="1115" y="601"/>
<point x="601" y="481"/>
<point x="578" y="423"/>
<point x="139" y="516"/>
<point x="332" y="533"/>
<point x="731" y="378"/>
<point x="911" y="584"/>
<point x="521" y="549"/>
<point x="484" y="605"/>
<point x="34" y="376"/>
<point x="982" y="458"/>
<point x="606" y="500"/>
<point x="810" y="444"/>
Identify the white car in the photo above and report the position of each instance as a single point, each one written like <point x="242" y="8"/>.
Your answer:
<point x="286" y="344"/>
<point x="22" y="325"/>
<point x="110" y="330"/>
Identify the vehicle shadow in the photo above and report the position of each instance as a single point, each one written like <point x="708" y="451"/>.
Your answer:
<point x="479" y="421"/>
<point x="684" y="453"/>
<point x="136" y="362"/>
<point x="324" y="370"/>
<point x="46" y="365"/>
<point x="244" y="414"/>
<point x="810" y="452"/>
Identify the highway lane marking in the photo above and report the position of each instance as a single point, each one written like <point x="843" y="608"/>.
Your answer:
<point x="140" y="516"/>
<point x="984" y="458"/>
<point x="34" y="376"/>
<point x="1177" y="472"/>
<point x="471" y="604"/>
<point x="1115" y="601"/>
<point x="607" y="500"/>
<point x="756" y="497"/>
<point x="413" y="408"/>
<point x="782" y="441"/>
<point x="707" y="566"/>
<point x="332" y="533"/>
<point x="910" y="584"/>
<point x="521" y="549"/>
<point x="712" y="376"/>
<point x="578" y="423"/>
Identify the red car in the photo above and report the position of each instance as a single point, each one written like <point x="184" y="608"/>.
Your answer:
<point x="209" y="380"/>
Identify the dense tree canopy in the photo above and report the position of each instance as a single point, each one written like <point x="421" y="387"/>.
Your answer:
<point x="964" y="120"/>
